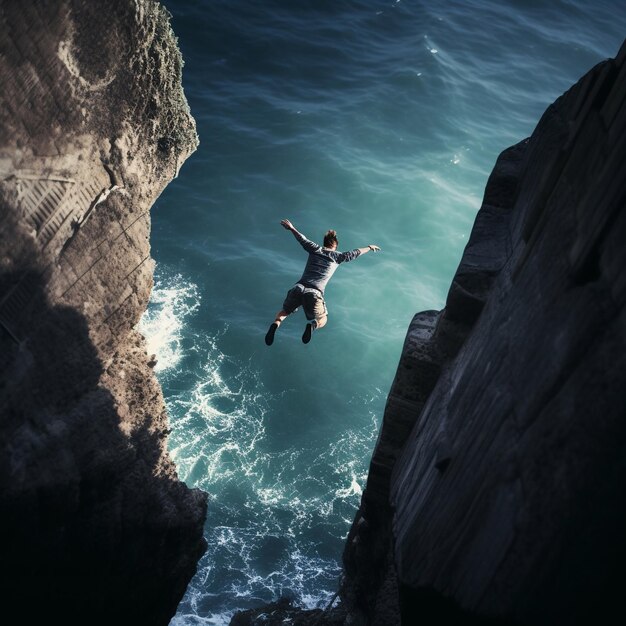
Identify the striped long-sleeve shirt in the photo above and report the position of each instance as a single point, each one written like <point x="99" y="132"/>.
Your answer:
<point x="322" y="262"/>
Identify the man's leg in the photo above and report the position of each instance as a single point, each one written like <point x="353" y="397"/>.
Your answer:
<point x="315" y="308"/>
<point x="280" y="316"/>
<point x="312" y="325"/>
<point x="290" y="305"/>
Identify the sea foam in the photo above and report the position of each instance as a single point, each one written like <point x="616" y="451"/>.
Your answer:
<point x="172" y="301"/>
<point x="275" y="512"/>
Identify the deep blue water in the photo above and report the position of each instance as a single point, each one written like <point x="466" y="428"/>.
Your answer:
<point x="382" y="120"/>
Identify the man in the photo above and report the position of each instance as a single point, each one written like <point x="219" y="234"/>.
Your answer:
<point x="308" y="292"/>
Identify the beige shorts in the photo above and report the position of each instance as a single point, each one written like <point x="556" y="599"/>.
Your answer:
<point x="311" y="300"/>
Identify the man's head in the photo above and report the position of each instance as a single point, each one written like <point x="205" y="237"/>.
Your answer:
<point x="330" y="240"/>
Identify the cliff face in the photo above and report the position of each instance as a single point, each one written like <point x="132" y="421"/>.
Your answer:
<point x="496" y="489"/>
<point x="95" y="525"/>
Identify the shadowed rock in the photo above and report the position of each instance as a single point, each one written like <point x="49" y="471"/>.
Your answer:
<point x="495" y="492"/>
<point x="95" y="525"/>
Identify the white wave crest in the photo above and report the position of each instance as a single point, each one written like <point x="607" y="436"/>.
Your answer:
<point x="173" y="300"/>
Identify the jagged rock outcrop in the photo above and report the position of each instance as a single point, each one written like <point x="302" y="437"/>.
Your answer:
<point x="95" y="526"/>
<point x="283" y="612"/>
<point x="496" y="489"/>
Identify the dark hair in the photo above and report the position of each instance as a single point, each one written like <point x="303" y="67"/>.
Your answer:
<point x="330" y="238"/>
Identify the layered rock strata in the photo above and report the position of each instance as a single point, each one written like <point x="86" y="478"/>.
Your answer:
<point x="95" y="526"/>
<point x="496" y="489"/>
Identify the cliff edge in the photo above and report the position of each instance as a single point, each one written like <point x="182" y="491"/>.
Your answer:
<point x="95" y="525"/>
<point x="496" y="489"/>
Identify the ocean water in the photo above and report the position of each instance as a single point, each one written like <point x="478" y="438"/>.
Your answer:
<point x="382" y="120"/>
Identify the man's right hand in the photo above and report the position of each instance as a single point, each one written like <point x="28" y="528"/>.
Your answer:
<point x="287" y="225"/>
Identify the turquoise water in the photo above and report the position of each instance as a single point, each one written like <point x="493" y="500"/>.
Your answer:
<point x="381" y="120"/>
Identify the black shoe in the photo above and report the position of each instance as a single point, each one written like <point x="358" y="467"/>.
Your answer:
<point x="269" y="338"/>
<point x="308" y="331"/>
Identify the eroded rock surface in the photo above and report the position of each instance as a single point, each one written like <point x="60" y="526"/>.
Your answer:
<point x="95" y="525"/>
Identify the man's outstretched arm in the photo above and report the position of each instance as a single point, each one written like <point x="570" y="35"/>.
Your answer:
<point x="287" y="225"/>
<point x="309" y="246"/>
<point x="370" y="248"/>
<point x="345" y="257"/>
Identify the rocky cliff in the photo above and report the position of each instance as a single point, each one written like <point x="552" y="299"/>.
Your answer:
<point x="95" y="526"/>
<point x="496" y="490"/>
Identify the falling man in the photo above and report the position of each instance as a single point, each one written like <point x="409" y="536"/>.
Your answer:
<point x="308" y="292"/>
